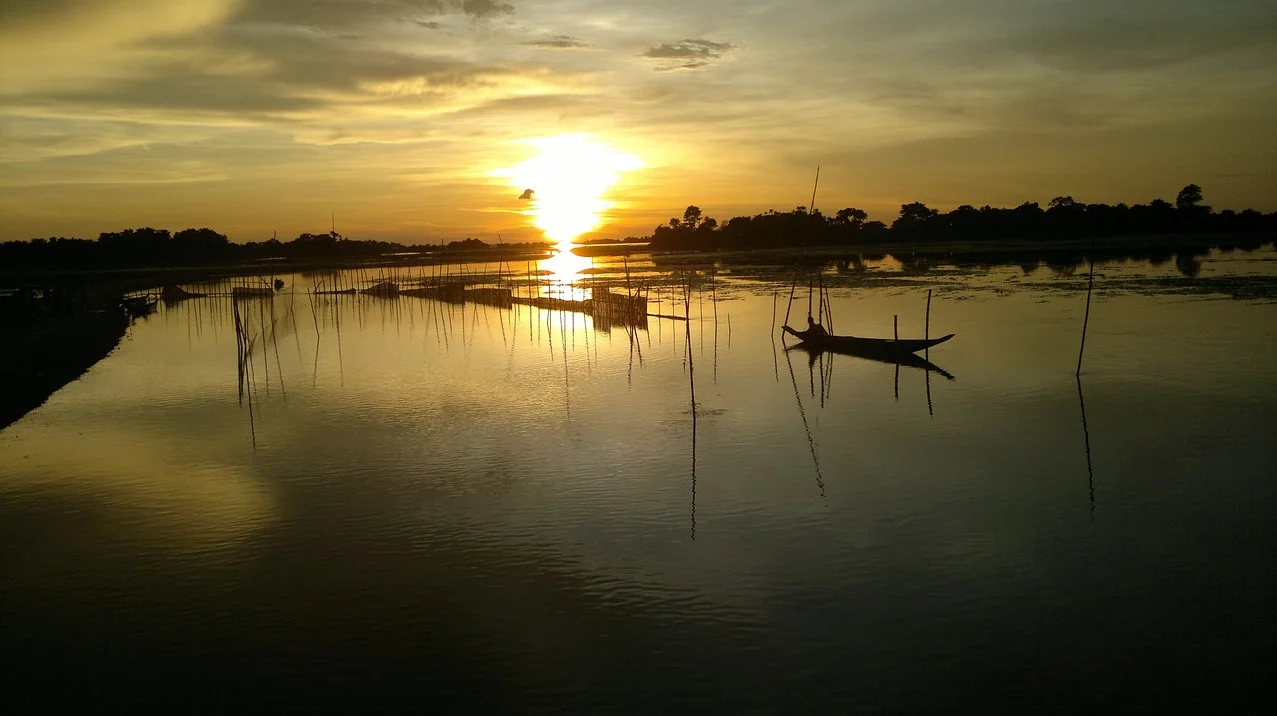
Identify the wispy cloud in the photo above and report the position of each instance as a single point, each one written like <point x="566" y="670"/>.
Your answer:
<point x="557" y="42"/>
<point x="697" y="65"/>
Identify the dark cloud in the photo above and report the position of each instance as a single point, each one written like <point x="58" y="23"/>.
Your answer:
<point x="309" y="60"/>
<point x="302" y="71"/>
<point x="1095" y="35"/>
<point x="279" y="58"/>
<point x="557" y="42"/>
<point x="15" y="12"/>
<point x="344" y="13"/>
<point x="687" y="55"/>
<point x="191" y="95"/>
<point x="486" y="8"/>
<point x="703" y="50"/>
<point x="1080" y="36"/>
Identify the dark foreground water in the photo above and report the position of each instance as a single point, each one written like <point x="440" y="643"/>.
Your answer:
<point x="407" y="505"/>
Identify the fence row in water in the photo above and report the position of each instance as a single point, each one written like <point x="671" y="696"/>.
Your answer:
<point x="606" y="307"/>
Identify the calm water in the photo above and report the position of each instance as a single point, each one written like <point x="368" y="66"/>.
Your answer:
<point x="409" y="503"/>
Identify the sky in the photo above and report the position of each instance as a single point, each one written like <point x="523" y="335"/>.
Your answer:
<point x="415" y="120"/>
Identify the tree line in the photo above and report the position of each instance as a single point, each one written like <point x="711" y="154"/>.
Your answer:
<point x="1063" y="217"/>
<point x="149" y="247"/>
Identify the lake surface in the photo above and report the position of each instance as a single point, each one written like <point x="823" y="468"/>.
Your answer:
<point x="406" y="503"/>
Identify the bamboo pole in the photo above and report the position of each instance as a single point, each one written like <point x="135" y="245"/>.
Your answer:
<point x="820" y="310"/>
<point x="926" y="330"/>
<point x="802" y="251"/>
<point x="1090" y="284"/>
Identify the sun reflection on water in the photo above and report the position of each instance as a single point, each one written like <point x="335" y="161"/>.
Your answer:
<point x="565" y="271"/>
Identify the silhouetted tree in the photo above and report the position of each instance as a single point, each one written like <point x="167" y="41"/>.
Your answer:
<point x="916" y="218"/>
<point x="1194" y="215"/>
<point x="692" y="217"/>
<point x="850" y="217"/>
<point x="197" y="244"/>
<point x="1064" y="217"/>
<point x="1188" y="198"/>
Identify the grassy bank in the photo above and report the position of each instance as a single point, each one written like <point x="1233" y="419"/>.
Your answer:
<point x="39" y="355"/>
<point x="123" y="279"/>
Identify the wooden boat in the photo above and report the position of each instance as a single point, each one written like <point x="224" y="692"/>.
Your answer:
<point x="173" y="294"/>
<point x="252" y="292"/>
<point x="864" y="346"/>
<point x="138" y="306"/>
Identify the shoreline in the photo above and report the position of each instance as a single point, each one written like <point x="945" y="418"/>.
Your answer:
<point x="128" y="279"/>
<point x="964" y="248"/>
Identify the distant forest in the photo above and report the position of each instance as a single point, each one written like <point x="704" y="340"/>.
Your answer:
<point x="1062" y="218"/>
<point x="148" y="247"/>
<point x="917" y="224"/>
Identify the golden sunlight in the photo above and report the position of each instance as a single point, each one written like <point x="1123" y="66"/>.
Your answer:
<point x="565" y="183"/>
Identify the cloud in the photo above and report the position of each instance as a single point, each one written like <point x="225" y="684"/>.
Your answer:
<point x="251" y="69"/>
<point x="557" y="42"/>
<point x="689" y="50"/>
<point x="698" y="65"/>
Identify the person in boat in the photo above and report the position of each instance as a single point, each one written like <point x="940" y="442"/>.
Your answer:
<point x="815" y="329"/>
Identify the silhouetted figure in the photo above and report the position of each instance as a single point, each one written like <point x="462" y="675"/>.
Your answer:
<point x="527" y="194"/>
<point x="815" y="329"/>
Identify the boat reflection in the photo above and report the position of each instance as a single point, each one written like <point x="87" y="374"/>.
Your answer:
<point x="905" y="360"/>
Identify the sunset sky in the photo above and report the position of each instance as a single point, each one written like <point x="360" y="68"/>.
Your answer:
<point x="410" y="119"/>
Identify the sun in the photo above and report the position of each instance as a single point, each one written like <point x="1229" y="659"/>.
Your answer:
<point x="566" y="181"/>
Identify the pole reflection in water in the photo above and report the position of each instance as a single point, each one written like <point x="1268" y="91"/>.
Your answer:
<point x="244" y="366"/>
<point x="1086" y="437"/>
<point x="691" y="382"/>
<point x="802" y="413"/>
